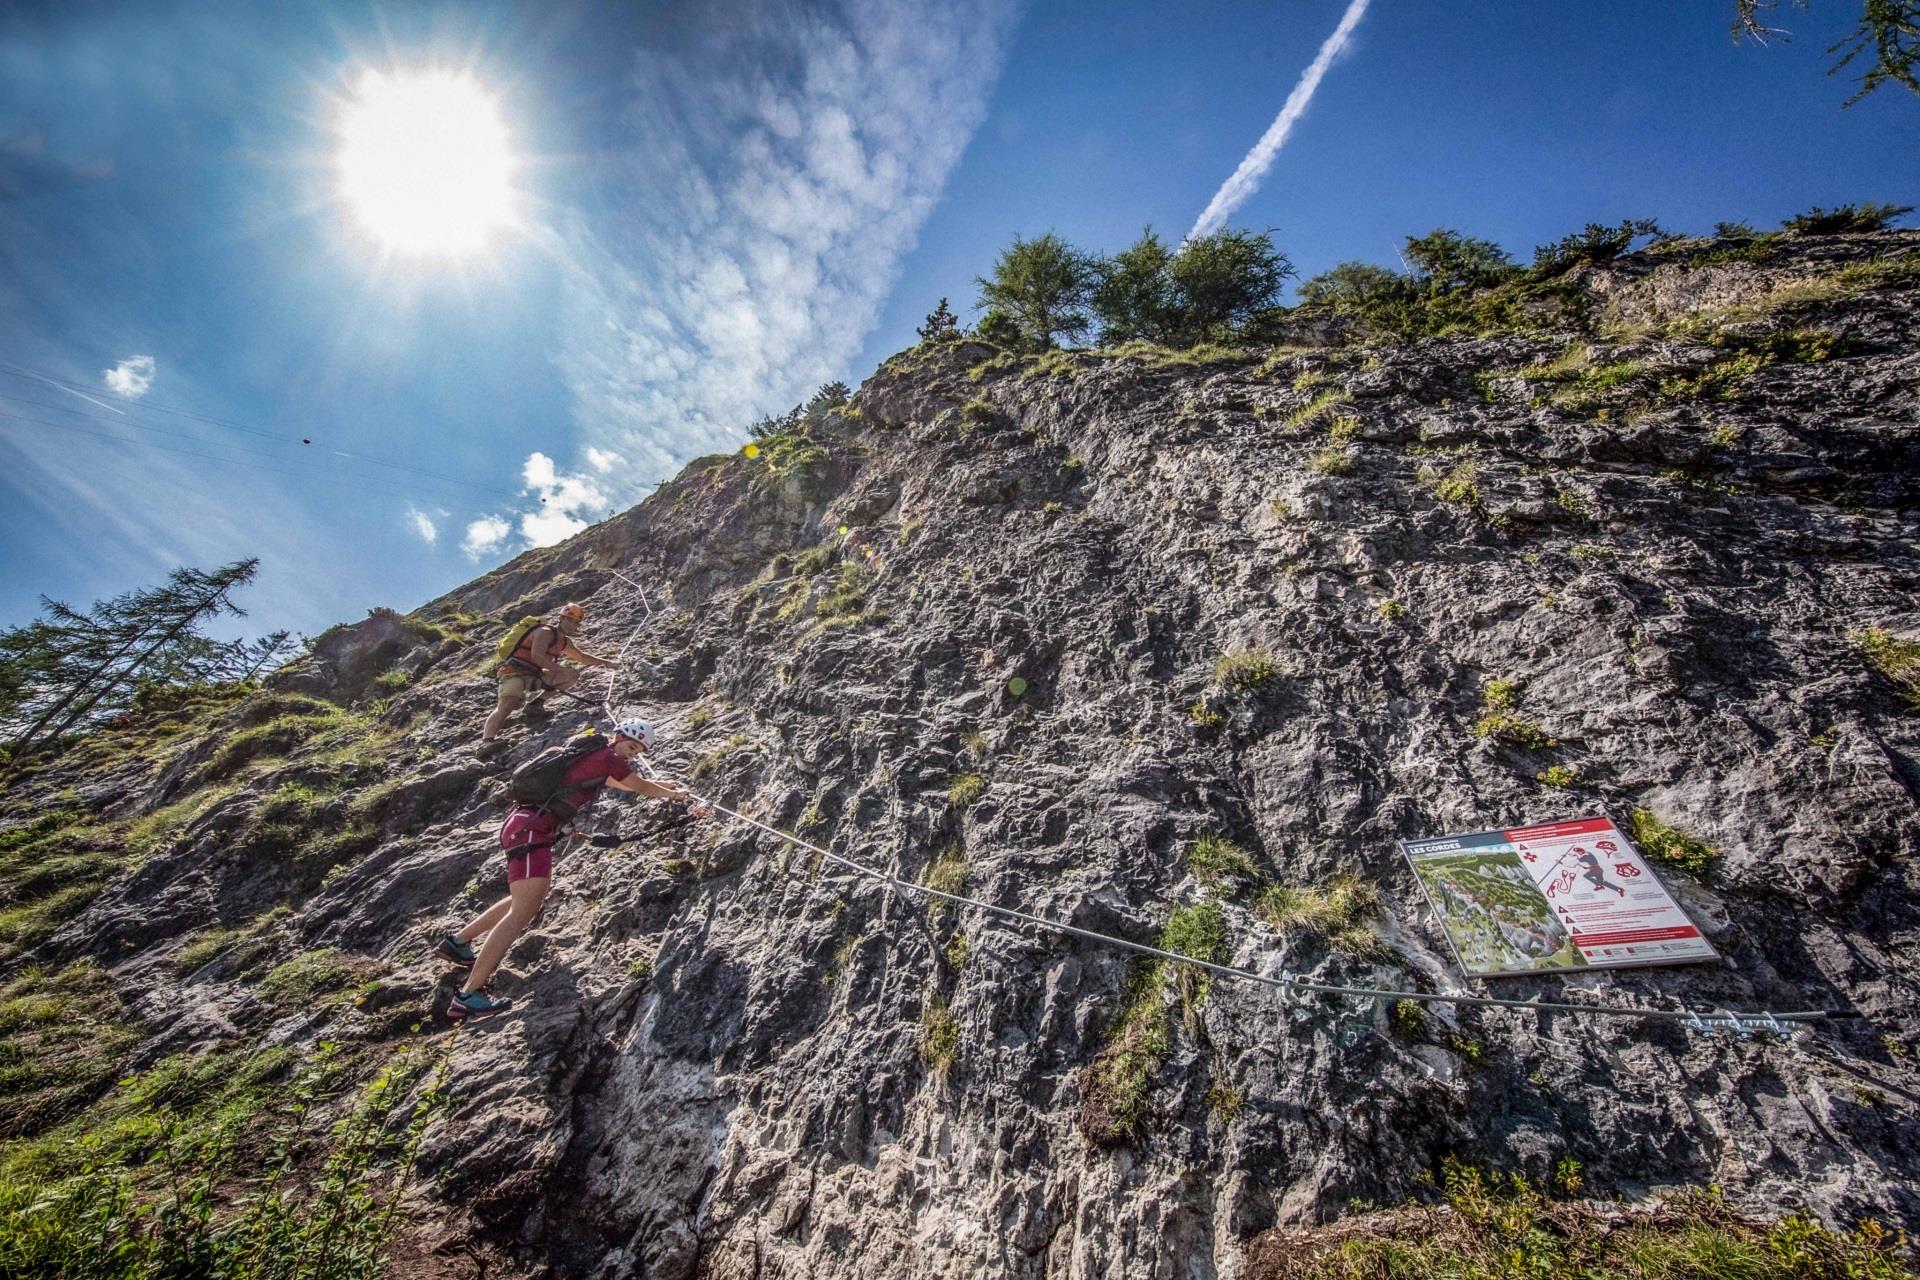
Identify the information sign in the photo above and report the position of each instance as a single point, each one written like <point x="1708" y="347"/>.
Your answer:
<point x="1564" y="895"/>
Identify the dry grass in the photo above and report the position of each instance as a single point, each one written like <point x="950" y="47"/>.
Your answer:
<point x="1494" y="1228"/>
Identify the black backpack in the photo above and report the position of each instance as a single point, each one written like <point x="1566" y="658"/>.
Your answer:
<point x="540" y="782"/>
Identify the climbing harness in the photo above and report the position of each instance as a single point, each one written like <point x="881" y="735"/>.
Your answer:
<point x="550" y="692"/>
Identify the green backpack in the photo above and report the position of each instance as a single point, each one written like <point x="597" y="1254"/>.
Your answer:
<point x="510" y="642"/>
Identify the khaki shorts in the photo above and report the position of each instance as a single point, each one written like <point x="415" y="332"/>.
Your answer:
<point x="514" y="691"/>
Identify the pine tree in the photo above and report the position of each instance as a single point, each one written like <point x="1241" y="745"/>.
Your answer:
<point x="1594" y="243"/>
<point x="1207" y="290"/>
<point x="941" y="325"/>
<point x="1221" y="281"/>
<point x="244" y="660"/>
<point x="31" y="658"/>
<point x="1378" y="297"/>
<point x="1133" y="296"/>
<point x="775" y="424"/>
<point x="829" y="397"/>
<point x="1889" y="31"/>
<point x="72" y="667"/>
<point x="1445" y="261"/>
<point x="1041" y="285"/>
<point x="999" y="328"/>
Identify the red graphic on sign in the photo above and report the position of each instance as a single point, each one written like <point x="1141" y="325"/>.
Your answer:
<point x="1625" y="870"/>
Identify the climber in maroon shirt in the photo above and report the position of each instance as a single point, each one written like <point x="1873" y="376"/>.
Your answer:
<point x="532" y="828"/>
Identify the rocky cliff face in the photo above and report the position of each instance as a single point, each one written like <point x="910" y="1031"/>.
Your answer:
<point x="973" y="630"/>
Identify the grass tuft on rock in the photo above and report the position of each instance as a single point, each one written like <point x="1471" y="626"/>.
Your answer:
<point x="1458" y="486"/>
<point x="218" y="1165"/>
<point x="947" y="874"/>
<point x="63" y="1041"/>
<point x="939" y="1035"/>
<point x="1247" y="669"/>
<point x="1671" y="846"/>
<point x="1116" y="1087"/>
<point x="1321" y="405"/>
<point x="1896" y="658"/>
<point x="713" y="759"/>
<point x="1219" y="863"/>
<point x="1336" y="911"/>
<point x="317" y="978"/>
<point x="965" y="789"/>
<point x="1502" y="721"/>
<point x="1333" y="460"/>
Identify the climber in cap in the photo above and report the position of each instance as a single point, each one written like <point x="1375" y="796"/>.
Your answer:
<point x="534" y="666"/>
<point x="569" y="777"/>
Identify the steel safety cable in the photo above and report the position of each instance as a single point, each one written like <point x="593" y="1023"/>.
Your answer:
<point x="1286" y="980"/>
<point x="620" y="657"/>
<point x="1744" y="1023"/>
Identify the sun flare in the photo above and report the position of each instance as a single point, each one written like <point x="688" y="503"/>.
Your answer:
<point x="425" y="162"/>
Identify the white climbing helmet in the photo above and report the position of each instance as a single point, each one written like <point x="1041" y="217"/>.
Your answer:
<point x="639" y="730"/>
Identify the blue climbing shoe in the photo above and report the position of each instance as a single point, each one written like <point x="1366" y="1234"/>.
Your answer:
<point x="474" y="1004"/>
<point x="454" y="951"/>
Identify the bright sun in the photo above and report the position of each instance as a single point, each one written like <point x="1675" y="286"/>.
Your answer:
<point x="425" y="162"/>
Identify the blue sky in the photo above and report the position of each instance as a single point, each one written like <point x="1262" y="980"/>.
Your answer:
<point x="724" y="204"/>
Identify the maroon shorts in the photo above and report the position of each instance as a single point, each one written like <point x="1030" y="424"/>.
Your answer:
<point x="528" y="836"/>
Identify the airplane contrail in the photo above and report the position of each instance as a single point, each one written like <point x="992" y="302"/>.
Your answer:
<point x="1246" y="179"/>
<point x="60" y="386"/>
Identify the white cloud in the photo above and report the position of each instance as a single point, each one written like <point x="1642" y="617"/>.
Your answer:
<point x="777" y="175"/>
<point x="603" y="460"/>
<point x="569" y="502"/>
<point x="132" y="377"/>
<point x="422" y="525"/>
<point x="564" y="502"/>
<point x="1246" y="179"/>
<point x="544" y="528"/>
<point x="485" y="536"/>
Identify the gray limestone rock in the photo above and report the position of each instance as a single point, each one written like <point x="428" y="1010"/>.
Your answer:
<point x="715" y="1066"/>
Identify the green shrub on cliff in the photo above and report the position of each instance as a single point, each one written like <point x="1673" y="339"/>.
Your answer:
<point x="1117" y="1084"/>
<point x="210" y="1167"/>
<point x="1870" y="215"/>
